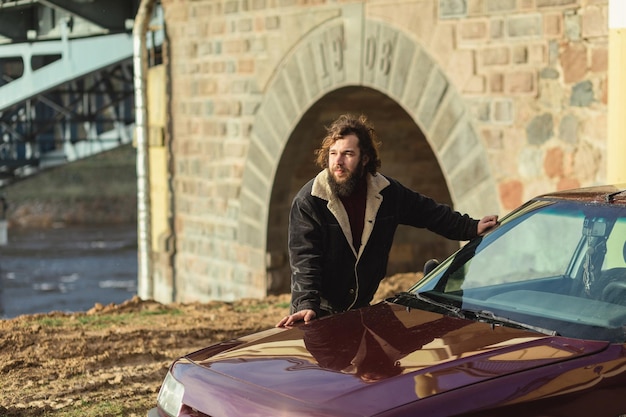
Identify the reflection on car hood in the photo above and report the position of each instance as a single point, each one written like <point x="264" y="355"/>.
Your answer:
<point x="376" y="358"/>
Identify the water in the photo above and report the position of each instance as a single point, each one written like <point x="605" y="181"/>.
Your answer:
<point x="67" y="269"/>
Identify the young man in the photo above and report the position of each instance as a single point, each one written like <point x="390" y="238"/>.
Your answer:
<point x="342" y="224"/>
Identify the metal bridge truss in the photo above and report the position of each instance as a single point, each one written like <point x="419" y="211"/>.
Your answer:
<point x="66" y="80"/>
<point x="74" y="120"/>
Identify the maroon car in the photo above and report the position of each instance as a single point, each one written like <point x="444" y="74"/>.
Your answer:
<point x="529" y="320"/>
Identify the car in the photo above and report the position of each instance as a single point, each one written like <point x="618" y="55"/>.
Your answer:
<point x="527" y="320"/>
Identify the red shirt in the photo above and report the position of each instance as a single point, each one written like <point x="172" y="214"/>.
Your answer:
<point x="355" y="207"/>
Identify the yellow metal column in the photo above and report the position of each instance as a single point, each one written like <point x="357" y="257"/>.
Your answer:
<point x="616" y="147"/>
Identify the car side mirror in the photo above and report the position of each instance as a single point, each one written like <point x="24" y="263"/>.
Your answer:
<point x="429" y="265"/>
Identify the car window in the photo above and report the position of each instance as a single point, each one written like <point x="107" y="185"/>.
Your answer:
<point x="544" y="247"/>
<point x="555" y="265"/>
<point x="615" y="246"/>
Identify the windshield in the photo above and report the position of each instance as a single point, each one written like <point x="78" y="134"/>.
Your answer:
<point x="553" y="265"/>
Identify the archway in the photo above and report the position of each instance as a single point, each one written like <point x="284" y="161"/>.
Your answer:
<point x="405" y="154"/>
<point x="352" y="64"/>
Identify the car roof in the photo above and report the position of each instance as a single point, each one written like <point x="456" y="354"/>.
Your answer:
<point x="614" y="194"/>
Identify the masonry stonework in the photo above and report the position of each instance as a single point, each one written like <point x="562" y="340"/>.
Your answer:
<point x="479" y="103"/>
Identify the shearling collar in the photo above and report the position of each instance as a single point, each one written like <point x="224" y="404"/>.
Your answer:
<point x="375" y="184"/>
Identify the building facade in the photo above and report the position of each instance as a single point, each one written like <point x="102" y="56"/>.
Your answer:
<point x="480" y="104"/>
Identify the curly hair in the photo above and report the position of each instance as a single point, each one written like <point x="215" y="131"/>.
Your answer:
<point x="345" y="125"/>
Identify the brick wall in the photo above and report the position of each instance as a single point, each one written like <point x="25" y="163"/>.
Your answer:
<point x="481" y="103"/>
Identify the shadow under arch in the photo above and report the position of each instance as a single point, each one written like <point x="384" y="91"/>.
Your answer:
<point x="328" y="73"/>
<point x="405" y="154"/>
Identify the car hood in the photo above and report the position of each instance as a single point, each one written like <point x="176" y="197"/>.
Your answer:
<point x="373" y="359"/>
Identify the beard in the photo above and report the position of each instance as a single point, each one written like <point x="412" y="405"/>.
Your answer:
<point x="346" y="187"/>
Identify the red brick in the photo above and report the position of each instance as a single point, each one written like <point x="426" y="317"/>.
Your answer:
<point x="511" y="194"/>
<point x="553" y="25"/>
<point x="553" y="163"/>
<point x="567" y="184"/>
<point x="574" y="62"/>
<point x="599" y="60"/>
<point x="520" y="82"/>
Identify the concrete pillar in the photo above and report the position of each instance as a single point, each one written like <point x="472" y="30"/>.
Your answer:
<point x="616" y="146"/>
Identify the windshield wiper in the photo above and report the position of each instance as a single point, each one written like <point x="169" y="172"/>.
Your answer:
<point x="480" y="315"/>
<point x="490" y="317"/>
<point x="456" y="311"/>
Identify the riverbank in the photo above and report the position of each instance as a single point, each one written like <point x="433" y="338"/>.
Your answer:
<point x="111" y="360"/>
<point x="101" y="189"/>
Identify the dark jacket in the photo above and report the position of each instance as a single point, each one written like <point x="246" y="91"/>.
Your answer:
<point x="329" y="275"/>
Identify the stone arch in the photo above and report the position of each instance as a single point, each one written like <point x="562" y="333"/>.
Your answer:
<point x="350" y="51"/>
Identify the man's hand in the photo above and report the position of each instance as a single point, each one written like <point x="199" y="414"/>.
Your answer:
<point x="306" y="315"/>
<point x="487" y="223"/>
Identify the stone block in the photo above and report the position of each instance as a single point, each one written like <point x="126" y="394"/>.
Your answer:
<point x="553" y="162"/>
<point x="572" y="26"/>
<point x="418" y="77"/>
<point x="296" y="83"/>
<point x="260" y="159"/>
<point x="567" y="184"/>
<point x="551" y="93"/>
<point x="480" y="109"/>
<point x="530" y="163"/>
<point x="568" y="129"/>
<point x="574" y="62"/>
<point x="258" y="4"/>
<point x="475" y="7"/>
<point x="449" y="116"/>
<point x="306" y="64"/>
<point x="595" y="21"/>
<point x="502" y="111"/>
<point x="433" y="96"/>
<point x="496" y="82"/>
<point x="599" y="59"/>
<point x="494" y="138"/>
<point x="245" y="25"/>
<point x="500" y="6"/>
<point x="523" y="82"/>
<point x="519" y="54"/>
<point x="587" y="161"/>
<point x="537" y="54"/>
<point x="403" y="61"/>
<point x="475" y="169"/>
<point x="272" y="22"/>
<point x="473" y="30"/>
<point x="245" y="66"/>
<point x="452" y="9"/>
<point x="540" y="129"/>
<point x="553" y="25"/>
<point x="231" y="6"/>
<point x="283" y="96"/>
<point x="555" y="3"/>
<point x="511" y="194"/>
<point x="464" y="143"/>
<point x="496" y="28"/>
<point x="495" y="56"/>
<point x="582" y="94"/>
<point x="524" y="26"/>
<point x="266" y="136"/>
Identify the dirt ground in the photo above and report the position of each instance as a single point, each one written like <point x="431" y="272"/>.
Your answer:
<point x="111" y="360"/>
